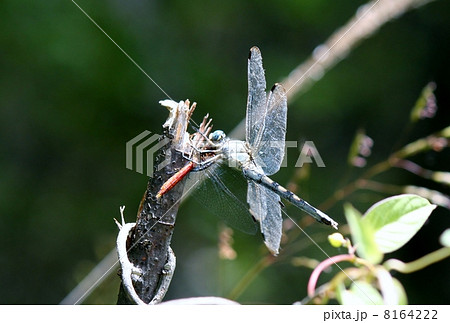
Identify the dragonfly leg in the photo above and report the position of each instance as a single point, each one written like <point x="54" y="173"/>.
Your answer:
<point x="203" y="164"/>
<point x="208" y="151"/>
<point x="209" y="148"/>
<point x="204" y="137"/>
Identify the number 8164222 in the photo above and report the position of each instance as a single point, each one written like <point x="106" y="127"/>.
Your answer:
<point x="411" y="314"/>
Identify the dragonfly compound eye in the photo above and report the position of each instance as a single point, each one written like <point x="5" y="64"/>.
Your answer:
<point x="217" y="136"/>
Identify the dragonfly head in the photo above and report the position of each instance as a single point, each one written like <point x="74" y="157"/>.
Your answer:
<point x="217" y="136"/>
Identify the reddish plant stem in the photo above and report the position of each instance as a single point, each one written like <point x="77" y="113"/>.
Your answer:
<point x="322" y="266"/>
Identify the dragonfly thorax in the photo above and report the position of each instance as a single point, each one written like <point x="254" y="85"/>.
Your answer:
<point x="236" y="153"/>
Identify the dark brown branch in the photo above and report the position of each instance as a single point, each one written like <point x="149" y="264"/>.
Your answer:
<point x="148" y="243"/>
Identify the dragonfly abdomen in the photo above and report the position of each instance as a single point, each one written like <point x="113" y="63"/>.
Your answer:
<point x="266" y="181"/>
<point x="284" y="193"/>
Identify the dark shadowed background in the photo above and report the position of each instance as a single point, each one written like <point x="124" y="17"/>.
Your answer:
<point x="70" y="100"/>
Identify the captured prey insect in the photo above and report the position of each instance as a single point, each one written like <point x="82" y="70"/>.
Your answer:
<point x="261" y="154"/>
<point x="197" y="151"/>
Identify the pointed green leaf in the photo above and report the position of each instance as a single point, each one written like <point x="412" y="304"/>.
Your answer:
<point x="366" y="293"/>
<point x="400" y="290"/>
<point x="362" y="236"/>
<point x="340" y="291"/>
<point x="397" y="219"/>
<point x="433" y="196"/>
<point x="341" y="294"/>
<point x="391" y="289"/>
<point x="360" y="293"/>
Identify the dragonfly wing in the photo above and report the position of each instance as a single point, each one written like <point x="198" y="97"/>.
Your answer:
<point x="270" y="152"/>
<point x="222" y="191"/>
<point x="256" y="100"/>
<point x="266" y="209"/>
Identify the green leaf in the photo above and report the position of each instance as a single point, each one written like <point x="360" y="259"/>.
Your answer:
<point x="363" y="293"/>
<point x="444" y="239"/>
<point x="433" y="196"/>
<point x="360" y="293"/>
<point x="400" y="290"/>
<point x="366" y="293"/>
<point x="341" y="296"/>
<point x="397" y="219"/>
<point x="393" y="292"/>
<point x="362" y="235"/>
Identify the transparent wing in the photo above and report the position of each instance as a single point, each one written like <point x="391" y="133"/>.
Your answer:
<point x="222" y="191"/>
<point x="270" y="150"/>
<point x="256" y="100"/>
<point x="266" y="209"/>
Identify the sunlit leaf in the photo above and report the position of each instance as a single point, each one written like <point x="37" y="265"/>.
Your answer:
<point x="397" y="219"/>
<point x="341" y="294"/>
<point x="360" y="293"/>
<point x="362" y="236"/>
<point x="400" y="290"/>
<point x="435" y="197"/>
<point x="368" y="294"/>
<point x="391" y="289"/>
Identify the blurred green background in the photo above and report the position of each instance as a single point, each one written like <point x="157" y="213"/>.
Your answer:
<point x="70" y="100"/>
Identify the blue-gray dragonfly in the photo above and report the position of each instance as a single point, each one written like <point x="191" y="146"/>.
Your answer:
<point x="261" y="154"/>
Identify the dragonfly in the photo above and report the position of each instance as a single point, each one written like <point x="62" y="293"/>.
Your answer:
<point x="258" y="157"/>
